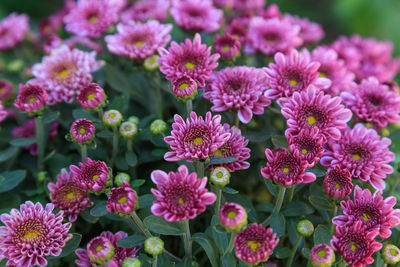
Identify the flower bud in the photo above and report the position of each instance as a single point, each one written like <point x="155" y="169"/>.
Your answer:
<point x="41" y="176"/>
<point x="131" y="262"/>
<point x="122" y="177"/>
<point x="15" y="66"/>
<point x="31" y="99"/>
<point x="122" y="200"/>
<point x="92" y="97"/>
<point x="184" y="88"/>
<point x="233" y="217"/>
<point x="134" y="120"/>
<point x="220" y="176"/>
<point x="305" y="228"/>
<point x="112" y="118"/>
<point x="128" y="130"/>
<point x="322" y="255"/>
<point x="391" y="254"/>
<point x="154" y="246"/>
<point x="158" y="127"/>
<point x="82" y="131"/>
<point x="100" y="250"/>
<point x="151" y="63"/>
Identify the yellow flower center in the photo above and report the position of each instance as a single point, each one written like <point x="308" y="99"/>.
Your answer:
<point x="219" y="175"/>
<point x="32" y="99"/>
<point x="226" y="48"/>
<point x="127" y="128"/>
<point x="393" y="252"/>
<point x="183" y="86"/>
<point x="197" y="141"/>
<point x="189" y="65"/>
<point x="337" y="186"/>
<point x="93" y="19"/>
<point x="254" y="245"/>
<point x="356" y="157"/>
<point x="180" y="200"/>
<point x="70" y="195"/>
<point x="232" y="215"/>
<point x="311" y="120"/>
<point x="90" y="97"/>
<point x="321" y="253"/>
<point x="304" y="151"/>
<point x="218" y="153"/>
<point x="139" y="43"/>
<point x="321" y="74"/>
<point x="285" y="170"/>
<point x="366" y="217"/>
<point x="293" y="82"/>
<point x="31" y="234"/>
<point x="82" y="130"/>
<point x="122" y="200"/>
<point x="99" y="248"/>
<point x="353" y="247"/>
<point x="95" y="177"/>
<point x="112" y="115"/>
<point x="64" y="73"/>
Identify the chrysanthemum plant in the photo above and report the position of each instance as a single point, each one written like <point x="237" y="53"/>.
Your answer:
<point x="195" y="133"/>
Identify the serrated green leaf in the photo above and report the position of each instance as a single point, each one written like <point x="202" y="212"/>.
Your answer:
<point x="297" y="208"/>
<point x="131" y="241"/>
<point x="322" y="235"/>
<point x="146" y="200"/>
<point x="131" y="158"/>
<point x="160" y="226"/>
<point x="8" y="153"/>
<point x="23" y="141"/>
<point x="99" y="209"/>
<point x="10" y="179"/>
<point x="208" y="246"/>
<point x="278" y="223"/>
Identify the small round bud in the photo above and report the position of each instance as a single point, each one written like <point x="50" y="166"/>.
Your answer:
<point x="220" y="176"/>
<point x="158" y="127"/>
<point x="151" y="63"/>
<point x="42" y="176"/>
<point x="154" y="246"/>
<point x="134" y="120"/>
<point x="112" y="118"/>
<point x="122" y="177"/>
<point x="128" y="130"/>
<point x="184" y="88"/>
<point x="131" y="262"/>
<point x="15" y="66"/>
<point x="100" y="250"/>
<point x="391" y="254"/>
<point x="233" y="217"/>
<point x="82" y="131"/>
<point x="322" y="255"/>
<point x="305" y="228"/>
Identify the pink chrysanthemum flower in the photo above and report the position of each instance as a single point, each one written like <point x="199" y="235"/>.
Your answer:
<point x="293" y="73"/>
<point x="122" y="200"/>
<point x="28" y="131"/>
<point x="286" y="168"/>
<point x="232" y="216"/>
<point x="312" y="108"/>
<point x="308" y="142"/>
<point x="138" y="41"/>
<point x="255" y="243"/>
<point x="31" y="98"/>
<point x="238" y="31"/>
<point x="322" y="255"/>
<point x="191" y="59"/>
<point x="65" y="72"/>
<point x="180" y="195"/>
<point x="197" y="138"/>
<point x="146" y="9"/>
<point x="373" y="102"/>
<point x="375" y="212"/>
<point x="196" y="15"/>
<point x="92" y="175"/>
<point x="363" y="153"/>
<point x="91" y="97"/>
<point x="184" y="88"/>
<point x="13" y="29"/>
<point x="51" y="43"/>
<point x="3" y="112"/>
<point x="100" y="250"/>
<point x="355" y="244"/>
<point x="337" y="183"/>
<point x="248" y="5"/>
<point x="310" y="32"/>
<point x="6" y="89"/>
<point x="33" y="233"/>
<point x="269" y="36"/>
<point x="235" y="146"/>
<point x="68" y="196"/>
<point x="242" y="88"/>
<point x="227" y="46"/>
<point x="91" y="18"/>
<point x="82" y="131"/>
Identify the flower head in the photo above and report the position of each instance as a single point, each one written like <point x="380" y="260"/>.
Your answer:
<point x="32" y="233"/>
<point x="100" y="250"/>
<point x="292" y="73"/>
<point x="91" y="97"/>
<point x="3" y="112"/>
<point x="122" y="200"/>
<point x="255" y="243"/>
<point x="92" y="175"/>
<point x="233" y="216"/>
<point x="137" y="40"/>
<point x="363" y="153"/>
<point x="151" y="63"/>
<point x="248" y="5"/>
<point x="112" y="118"/>
<point x="68" y="196"/>
<point x="197" y="138"/>
<point x="305" y="228"/>
<point x="131" y="262"/>
<point x="308" y="142"/>
<point x="31" y="98"/>
<point x="312" y="108"/>
<point x="355" y="244"/>
<point x="135" y="120"/>
<point x="227" y="46"/>
<point x="286" y="168"/>
<point x="146" y="9"/>
<point x="184" y="88"/>
<point x="220" y="176"/>
<point x="82" y="131"/>
<point x="241" y="88"/>
<point x="121" y="177"/>
<point x="391" y="254"/>
<point x="13" y="29"/>
<point x="180" y="195"/>
<point x="337" y="182"/>
<point x="192" y="59"/>
<point x="158" y="127"/>
<point x="6" y="89"/>
<point x="154" y="246"/>
<point x="322" y="255"/>
<point x="310" y="32"/>
<point x="128" y="130"/>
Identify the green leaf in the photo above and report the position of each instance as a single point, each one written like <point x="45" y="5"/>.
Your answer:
<point x="265" y="207"/>
<point x="10" y="179"/>
<point x="278" y="223"/>
<point x="160" y="226"/>
<point x="282" y="253"/>
<point x="131" y="158"/>
<point x="279" y="141"/>
<point x="317" y="172"/>
<point x="23" y="141"/>
<point x="8" y="153"/>
<point x="261" y="135"/>
<point x="297" y="208"/>
<point x="219" y="234"/>
<point x="228" y="260"/>
<point x="229" y="190"/>
<point x="214" y="161"/>
<point x="81" y="113"/>
<point x="319" y="202"/>
<point x="137" y="182"/>
<point x="220" y="229"/>
<point x="305" y="252"/>
<point x="209" y="247"/>
<point x="131" y="241"/>
<point x="49" y="117"/>
<point x="99" y="209"/>
<point x="322" y="235"/>
<point x="70" y="246"/>
<point x="273" y="189"/>
<point x="105" y="134"/>
<point x="146" y="200"/>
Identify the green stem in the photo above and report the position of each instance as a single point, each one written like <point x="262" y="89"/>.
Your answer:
<point x="189" y="107"/>
<point x="237" y="121"/>
<point x="159" y="103"/>
<point x="395" y="184"/>
<point x="187" y="240"/>
<point x="218" y="202"/>
<point x="291" y="193"/>
<point x="231" y="243"/>
<point x="83" y="152"/>
<point x="154" y="264"/>
<point x="289" y="263"/>
<point x="101" y="114"/>
<point x="200" y="169"/>
<point x="278" y="204"/>
<point x="41" y="141"/>
<point x="140" y="224"/>
<point x="333" y="215"/>
<point x="115" y="146"/>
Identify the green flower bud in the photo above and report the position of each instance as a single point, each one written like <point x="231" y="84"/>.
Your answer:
<point x="131" y="262"/>
<point x="112" y="118"/>
<point x="128" y="130"/>
<point x="154" y="246"/>
<point x="42" y="176"/>
<point x="15" y="66"/>
<point x="220" y="177"/>
<point x="151" y="63"/>
<point x="121" y="177"/>
<point x="391" y="254"/>
<point x="305" y="228"/>
<point x="134" y="120"/>
<point x="158" y="127"/>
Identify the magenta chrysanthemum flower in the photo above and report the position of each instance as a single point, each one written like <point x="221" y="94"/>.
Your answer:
<point x="13" y="29"/>
<point x="248" y="5"/>
<point x="6" y="89"/>
<point x="31" y="98"/>
<point x="68" y="196"/>
<point x="65" y="72"/>
<point x="235" y="146"/>
<point x="3" y="112"/>
<point x="92" y="175"/>
<point x="373" y="102"/>
<point x="232" y="216"/>
<point x="196" y="15"/>
<point x="146" y="9"/>
<point x="322" y="255"/>
<point x="355" y="244"/>
<point x="51" y="43"/>
<point x="332" y="68"/>
<point x="191" y="59"/>
<point x="91" y="97"/>
<point x="197" y="138"/>
<point x="91" y="18"/>
<point x="337" y="182"/>
<point x="82" y="131"/>
<point x="180" y="195"/>
<point x="242" y="88"/>
<point x="32" y="233"/>
<point x="286" y="168"/>
<point x="293" y="73"/>
<point x="312" y="108"/>
<point x="184" y="88"/>
<point x="255" y="243"/>
<point x="310" y="32"/>
<point x="122" y="199"/>
<point x="237" y="30"/>
<point x="308" y="142"/>
<point x="28" y="131"/>
<point x="375" y="212"/>
<point x="137" y="40"/>
<point x="100" y="250"/>
<point x="269" y="36"/>
<point x="363" y="153"/>
<point x="227" y="46"/>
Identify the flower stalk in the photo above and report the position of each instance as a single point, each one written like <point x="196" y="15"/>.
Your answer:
<point x="187" y="239"/>
<point x="41" y="141"/>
